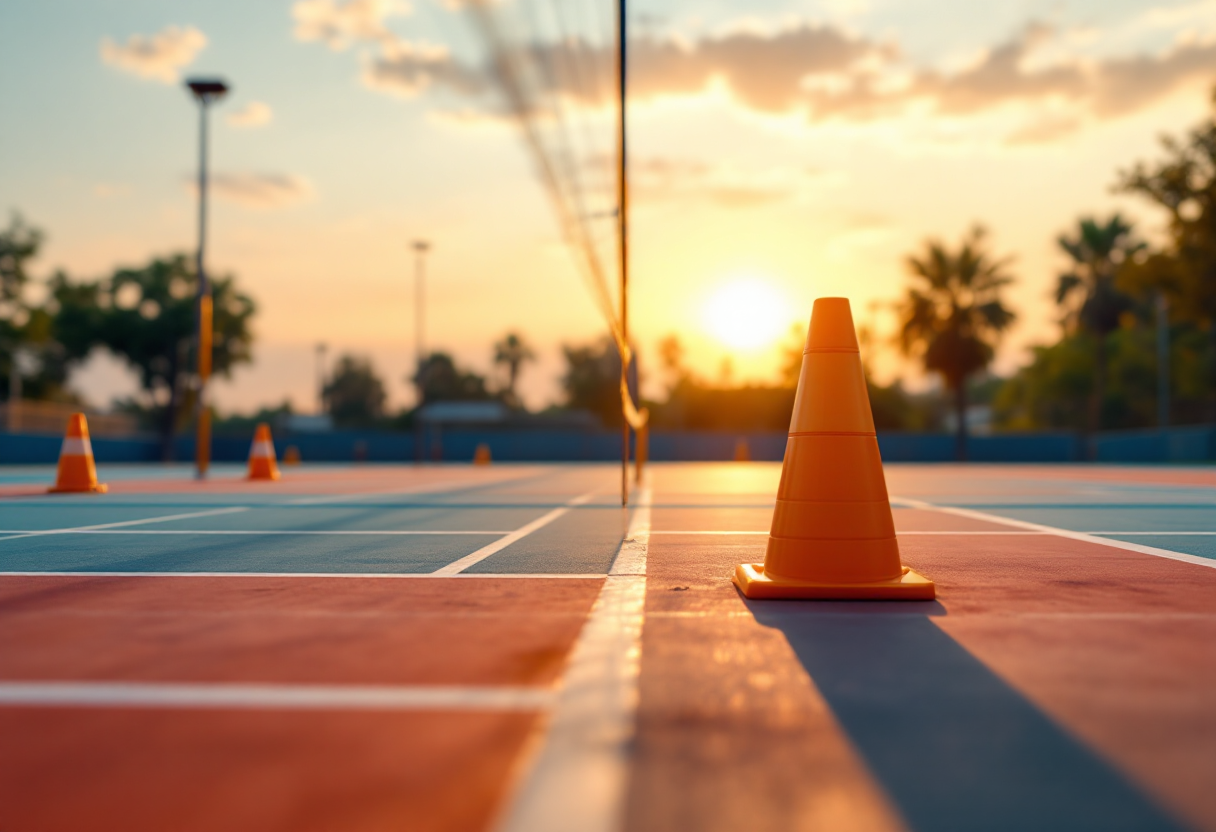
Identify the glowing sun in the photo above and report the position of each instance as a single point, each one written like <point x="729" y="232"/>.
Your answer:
<point x="746" y="314"/>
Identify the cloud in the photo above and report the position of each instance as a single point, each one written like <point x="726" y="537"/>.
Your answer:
<point x="260" y="190"/>
<point x="253" y="114"/>
<point x="158" y="56"/>
<point x="657" y="179"/>
<point x="406" y="69"/>
<point x="340" y="24"/>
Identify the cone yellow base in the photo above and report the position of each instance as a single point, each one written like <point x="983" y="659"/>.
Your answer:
<point x="755" y="584"/>
<point x="100" y="488"/>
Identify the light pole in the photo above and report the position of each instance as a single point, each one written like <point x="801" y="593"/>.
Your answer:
<point x="321" y="348"/>
<point x="421" y="247"/>
<point x="206" y="91"/>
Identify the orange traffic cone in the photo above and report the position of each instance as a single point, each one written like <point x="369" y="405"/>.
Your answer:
<point x="261" y="456"/>
<point x="77" y="472"/>
<point x="832" y="533"/>
<point x="481" y="456"/>
<point x="291" y="455"/>
<point x="743" y="453"/>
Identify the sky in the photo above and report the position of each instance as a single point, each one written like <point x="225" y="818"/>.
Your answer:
<point x="781" y="150"/>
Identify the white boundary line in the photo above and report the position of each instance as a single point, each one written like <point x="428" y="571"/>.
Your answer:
<point x="100" y="526"/>
<point x="82" y="574"/>
<point x="579" y="776"/>
<point x="1052" y="530"/>
<point x="273" y="697"/>
<point x="458" y="566"/>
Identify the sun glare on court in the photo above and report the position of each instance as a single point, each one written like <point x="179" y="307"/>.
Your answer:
<point x="745" y="314"/>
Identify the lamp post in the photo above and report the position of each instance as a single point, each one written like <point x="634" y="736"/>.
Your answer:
<point x="421" y="247"/>
<point x="321" y="348"/>
<point x="206" y="92"/>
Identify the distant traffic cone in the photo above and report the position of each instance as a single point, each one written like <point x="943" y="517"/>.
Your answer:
<point x="832" y="534"/>
<point x="261" y="456"/>
<point x="291" y="455"/>
<point x="77" y="472"/>
<point x="743" y="453"/>
<point x="481" y="456"/>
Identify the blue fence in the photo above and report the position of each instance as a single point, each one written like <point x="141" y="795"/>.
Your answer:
<point x="1184" y="444"/>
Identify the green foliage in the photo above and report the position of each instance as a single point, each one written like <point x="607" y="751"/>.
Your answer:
<point x="354" y="394"/>
<point x="512" y="351"/>
<point x="592" y="380"/>
<point x="442" y="381"/>
<point x="952" y="314"/>
<point x="147" y="316"/>
<point x="1183" y="184"/>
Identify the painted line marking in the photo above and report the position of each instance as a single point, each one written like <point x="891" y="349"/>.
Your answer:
<point x="1085" y="537"/>
<point x="579" y="776"/>
<point x="484" y="552"/>
<point x="273" y="697"/>
<point x="465" y="575"/>
<point x="472" y="482"/>
<point x="77" y="529"/>
<point x="255" y="532"/>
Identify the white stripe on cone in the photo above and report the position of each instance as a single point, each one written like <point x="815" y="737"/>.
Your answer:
<point x="76" y="446"/>
<point x="262" y="450"/>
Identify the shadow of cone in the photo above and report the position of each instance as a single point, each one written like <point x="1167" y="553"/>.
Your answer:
<point x="77" y="472"/>
<point x="832" y="534"/>
<point x="261" y="456"/>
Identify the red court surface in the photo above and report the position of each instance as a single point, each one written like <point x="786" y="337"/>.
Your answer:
<point x="507" y="649"/>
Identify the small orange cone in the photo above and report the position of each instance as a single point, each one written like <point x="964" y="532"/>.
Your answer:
<point x="832" y="534"/>
<point x="743" y="453"/>
<point x="291" y="455"/>
<point x="77" y="472"/>
<point x="481" y="456"/>
<point x="261" y="456"/>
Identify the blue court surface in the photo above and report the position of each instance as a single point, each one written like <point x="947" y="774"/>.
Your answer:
<point x="507" y="648"/>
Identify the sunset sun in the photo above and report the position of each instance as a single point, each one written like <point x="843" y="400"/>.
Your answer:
<point x="745" y="314"/>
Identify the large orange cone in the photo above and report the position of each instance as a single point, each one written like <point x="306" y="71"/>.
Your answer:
<point x="77" y="472"/>
<point x="261" y="456"/>
<point x="832" y="533"/>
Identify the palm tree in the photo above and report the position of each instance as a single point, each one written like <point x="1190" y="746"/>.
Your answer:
<point x="512" y="351"/>
<point x="1098" y="251"/>
<point x="952" y="315"/>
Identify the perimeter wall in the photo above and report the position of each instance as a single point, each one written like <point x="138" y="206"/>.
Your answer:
<point x="1184" y="444"/>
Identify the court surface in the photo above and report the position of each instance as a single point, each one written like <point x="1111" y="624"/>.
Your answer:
<point x="460" y="648"/>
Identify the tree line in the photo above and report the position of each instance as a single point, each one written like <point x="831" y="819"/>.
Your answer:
<point x="1126" y="310"/>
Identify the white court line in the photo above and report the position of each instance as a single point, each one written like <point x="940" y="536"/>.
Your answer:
<point x="82" y="574"/>
<point x="76" y="529"/>
<point x="484" y="552"/>
<point x="1052" y="530"/>
<point x="442" y="488"/>
<point x="255" y="532"/>
<point x="274" y="697"/>
<point x="580" y="774"/>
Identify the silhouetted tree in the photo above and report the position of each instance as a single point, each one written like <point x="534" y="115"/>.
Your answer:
<point x="1089" y="292"/>
<point x="512" y="352"/>
<point x="440" y="380"/>
<point x="1184" y="185"/>
<point x="147" y="316"/>
<point x="26" y="343"/>
<point x="354" y="393"/>
<point x="592" y="380"/>
<point x="952" y="314"/>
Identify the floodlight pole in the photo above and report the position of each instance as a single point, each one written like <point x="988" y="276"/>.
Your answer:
<point x="1163" y="362"/>
<point x="321" y="348"/>
<point x="622" y="38"/>
<point x="206" y="91"/>
<point x="420" y="247"/>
